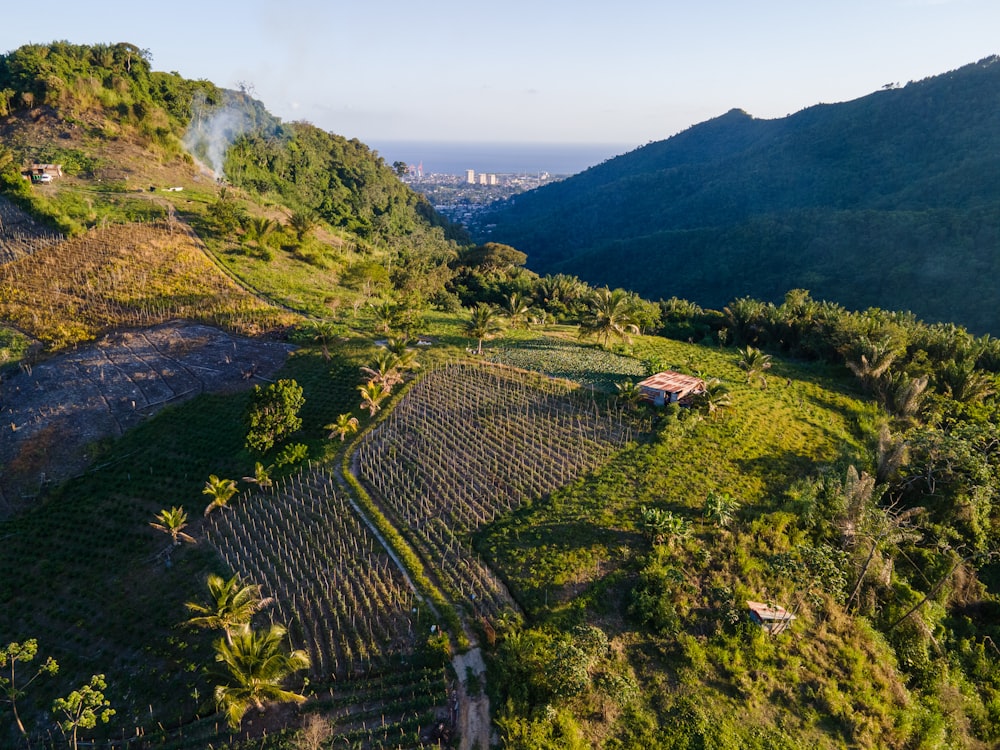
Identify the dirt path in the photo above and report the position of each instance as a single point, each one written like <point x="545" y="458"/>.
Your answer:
<point x="473" y="704"/>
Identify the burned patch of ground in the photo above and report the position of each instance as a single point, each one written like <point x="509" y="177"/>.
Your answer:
<point x="53" y="413"/>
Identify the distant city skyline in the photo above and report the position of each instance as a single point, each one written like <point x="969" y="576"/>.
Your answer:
<point x="558" y="72"/>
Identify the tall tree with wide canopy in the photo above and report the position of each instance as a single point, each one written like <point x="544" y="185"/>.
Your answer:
<point x="252" y="667"/>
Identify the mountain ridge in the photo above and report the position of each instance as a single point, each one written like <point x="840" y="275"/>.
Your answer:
<point x="926" y="147"/>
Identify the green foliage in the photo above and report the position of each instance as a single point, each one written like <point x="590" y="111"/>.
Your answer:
<point x="292" y="454"/>
<point x="13" y="688"/>
<point x="83" y="708"/>
<point x="881" y="200"/>
<point x="252" y="668"/>
<point x="273" y="414"/>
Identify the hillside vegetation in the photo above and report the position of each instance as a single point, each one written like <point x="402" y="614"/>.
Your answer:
<point x="450" y="515"/>
<point x="886" y="200"/>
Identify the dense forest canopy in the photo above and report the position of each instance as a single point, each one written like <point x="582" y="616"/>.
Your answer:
<point x="890" y="200"/>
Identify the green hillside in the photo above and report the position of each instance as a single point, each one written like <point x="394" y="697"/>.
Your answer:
<point x="889" y="200"/>
<point x="433" y="470"/>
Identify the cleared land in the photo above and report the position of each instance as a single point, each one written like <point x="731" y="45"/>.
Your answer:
<point x="52" y="413"/>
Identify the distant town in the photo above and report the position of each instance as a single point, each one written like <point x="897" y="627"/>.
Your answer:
<point x="461" y="197"/>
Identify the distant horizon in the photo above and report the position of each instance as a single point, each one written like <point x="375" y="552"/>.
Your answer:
<point x="497" y="157"/>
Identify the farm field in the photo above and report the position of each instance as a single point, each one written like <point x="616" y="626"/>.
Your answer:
<point x="471" y="442"/>
<point x="132" y="275"/>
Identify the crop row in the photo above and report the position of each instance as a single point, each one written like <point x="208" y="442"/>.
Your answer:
<point x="345" y="600"/>
<point x="470" y="442"/>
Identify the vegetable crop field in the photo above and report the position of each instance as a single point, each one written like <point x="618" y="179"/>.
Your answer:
<point x="470" y="442"/>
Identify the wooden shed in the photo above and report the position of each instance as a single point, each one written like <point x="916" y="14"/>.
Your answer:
<point x="772" y="618"/>
<point x="669" y="387"/>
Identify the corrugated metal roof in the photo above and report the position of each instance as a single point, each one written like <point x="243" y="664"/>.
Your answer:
<point x="673" y="382"/>
<point x="769" y="613"/>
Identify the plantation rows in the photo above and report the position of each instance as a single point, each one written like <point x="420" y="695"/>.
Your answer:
<point x="133" y="275"/>
<point x="342" y="596"/>
<point x="21" y="235"/>
<point x="470" y="442"/>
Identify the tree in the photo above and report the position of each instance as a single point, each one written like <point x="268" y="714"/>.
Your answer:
<point x="321" y="332"/>
<point x="346" y="424"/>
<point x="258" y="234"/>
<point x="302" y="222"/>
<point x="10" y="690"/>
<point x="231" y="607"/>
<point x="754" y="362"/>
<point x="384" y="369"/>
<point x="493" y="257"/>
<point x="715" y="397"/>
<point x="629" y="393"/>
<point x="273" y="414"/>
<point x="372" y="396"/>
<point x="517" y="308"/>
<point x="83" y="708"/>
<point x="610" y="314"/>
<point x="220" y="490"/>
<point x="253" y="666"/>
<point x="261" y="476"/>
<point x="661" y="525"/>
<point x="173" y="522"/>
<point x="483" y="324"/>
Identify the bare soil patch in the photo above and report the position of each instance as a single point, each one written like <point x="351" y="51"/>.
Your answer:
<point x="53" y="413"/>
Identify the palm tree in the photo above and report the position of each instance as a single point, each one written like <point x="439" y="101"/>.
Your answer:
<point x="173" y="522"/>
<point x="324" y="333"/>
<point x="629" y="393"/>
<point x="252" y="668"/>
<point x="754" y="362"/>
<point x="372" y="396"/>
<point x="258" y="232"/>
<point x="610" y="313"/>
<point x="261" y="476"/>
<point x="484" y="324"/>
<point x="384" y="369"/>
<point x="220" y="490"/>
<point x="302" y="222"/>
<point x="346" y="424"/>
<point x="517" y="308"/>
<point x="232" y="606"/>
<point x="714" y="397"/>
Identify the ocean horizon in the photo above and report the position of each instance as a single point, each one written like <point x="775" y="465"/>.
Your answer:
<point x="499" y="158"/>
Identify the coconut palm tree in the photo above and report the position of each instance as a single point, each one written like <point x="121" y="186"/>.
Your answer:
<point x="517" y="308"/>
<point x="384" y="369"/>
<point x="754" y="362"/>
<point x="346" y="424"/>
<point x="611" y="313"/>
<point x="232" y="605"/>
<point x="484" y="324"/>
<point x="372" y="396"/>
<point x="220" y="490"/>
<point x="173" y="522"/>
<point x="252" y="668"/>
<point x="714" y="397"/>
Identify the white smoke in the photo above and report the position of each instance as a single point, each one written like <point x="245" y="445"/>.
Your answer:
<point x="213" y="129"/>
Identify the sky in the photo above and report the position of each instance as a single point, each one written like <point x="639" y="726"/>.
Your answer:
<point x="540" y="71"/>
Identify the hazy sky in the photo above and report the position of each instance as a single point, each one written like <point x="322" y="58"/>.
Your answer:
<point x="582" y="71"/>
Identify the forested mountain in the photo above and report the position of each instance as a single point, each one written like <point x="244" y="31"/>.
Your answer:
<point x="890" y="200"/>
